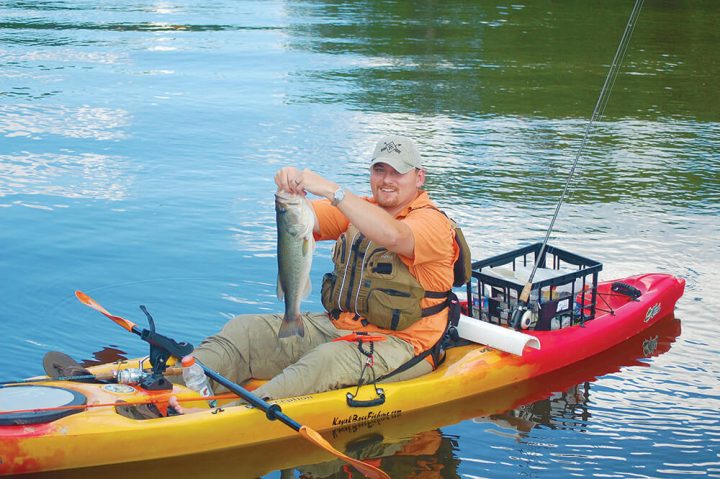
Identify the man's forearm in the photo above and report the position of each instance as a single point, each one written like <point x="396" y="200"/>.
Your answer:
<point x="377" y="224"/>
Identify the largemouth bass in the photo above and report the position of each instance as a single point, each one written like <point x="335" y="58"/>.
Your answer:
<point x="295" y="246"/>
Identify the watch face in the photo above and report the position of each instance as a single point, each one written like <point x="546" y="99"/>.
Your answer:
<point x="338" y="196"/>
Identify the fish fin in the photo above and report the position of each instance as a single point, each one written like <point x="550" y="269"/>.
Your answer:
<point x="292" y="327"/>
<point x="307" y="289"/>
<point x="280" y="290"/>
<point x="311" y="212"/>
<point x="308" y="246"/>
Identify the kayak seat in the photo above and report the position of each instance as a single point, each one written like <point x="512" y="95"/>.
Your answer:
<point x="421" y="364"/>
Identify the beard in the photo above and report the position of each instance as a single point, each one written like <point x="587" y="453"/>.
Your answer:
<point x="386" y="199"/>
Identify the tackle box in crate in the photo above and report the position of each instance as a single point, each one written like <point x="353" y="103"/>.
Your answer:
<point x="564" y="288"/>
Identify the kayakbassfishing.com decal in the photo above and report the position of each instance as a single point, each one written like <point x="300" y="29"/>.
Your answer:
<point x="353" y="422"/>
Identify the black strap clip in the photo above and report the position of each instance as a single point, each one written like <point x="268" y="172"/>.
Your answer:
<point x="369" y="363"/>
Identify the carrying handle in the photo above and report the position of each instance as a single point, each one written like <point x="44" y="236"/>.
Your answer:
<point x="352" y="402"/>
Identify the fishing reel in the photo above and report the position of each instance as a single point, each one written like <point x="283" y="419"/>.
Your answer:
<point x="524" y="316"/>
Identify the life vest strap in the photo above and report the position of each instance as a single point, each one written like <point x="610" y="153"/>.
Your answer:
<point x="430" y="310"/>
<point x="437" y="350"/>
<point x="437" y="294"/>
<point x="361" y="337"/>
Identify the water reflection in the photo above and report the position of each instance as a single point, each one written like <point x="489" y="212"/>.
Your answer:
<point x="86" y="122"/>
<point x="526" y="161"/>
<point x="469" y="59"/>
<point x="566" y="409"/>
<point x="108" y="354"/>
<point x="85" y="175"/>
<point x="70" y="57"/>
<point x="115" y="27"/>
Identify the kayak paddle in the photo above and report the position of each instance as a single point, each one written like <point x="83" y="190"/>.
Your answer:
<point x="122" y="322"/>
<point x="272" y="411"/>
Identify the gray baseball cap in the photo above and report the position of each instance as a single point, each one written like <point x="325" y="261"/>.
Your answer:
<point x="397" y="151"/>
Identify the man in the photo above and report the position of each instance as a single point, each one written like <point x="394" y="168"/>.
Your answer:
<point x="393" y="269"/>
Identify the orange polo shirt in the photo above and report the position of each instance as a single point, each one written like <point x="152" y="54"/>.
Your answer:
<point x="434" y="255"/>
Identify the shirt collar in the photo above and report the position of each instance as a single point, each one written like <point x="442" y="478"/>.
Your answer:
<point x="422" y="200"/>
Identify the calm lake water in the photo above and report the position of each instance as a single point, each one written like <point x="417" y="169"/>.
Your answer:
<point x="138" y="141"/>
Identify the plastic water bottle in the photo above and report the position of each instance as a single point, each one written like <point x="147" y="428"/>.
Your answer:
<point x="195" y="378"/>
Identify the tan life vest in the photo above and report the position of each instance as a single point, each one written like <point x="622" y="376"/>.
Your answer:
<point x="375" y="284"/>
<point x="462" y="268"/>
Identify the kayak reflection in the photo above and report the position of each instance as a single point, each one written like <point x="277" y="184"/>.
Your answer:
<point x="556" y="400"/>
<point x="108" y="354"/>
<point x="424" y="455"/>
<point x="414" y="445"/>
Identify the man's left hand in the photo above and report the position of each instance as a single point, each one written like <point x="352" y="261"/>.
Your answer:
<point x="297" y="181"/>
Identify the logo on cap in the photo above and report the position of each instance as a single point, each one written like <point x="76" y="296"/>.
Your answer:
<point x="390" y="147"/>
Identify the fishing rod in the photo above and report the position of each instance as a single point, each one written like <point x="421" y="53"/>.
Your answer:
<point x="521" y="309"/>
<point x="159" y="399"/>
<point x="112" y="376"/>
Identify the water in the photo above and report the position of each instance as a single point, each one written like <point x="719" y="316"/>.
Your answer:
<point x="138" y="142"/>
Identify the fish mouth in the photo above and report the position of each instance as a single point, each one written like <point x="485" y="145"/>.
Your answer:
<point x="283" y="199"/>
<point x="282" y="195"/>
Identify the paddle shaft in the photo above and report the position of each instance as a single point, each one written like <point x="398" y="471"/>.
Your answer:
<point x="272" y="411"/>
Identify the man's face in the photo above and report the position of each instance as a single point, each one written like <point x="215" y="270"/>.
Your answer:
<point x="392" y="190"/>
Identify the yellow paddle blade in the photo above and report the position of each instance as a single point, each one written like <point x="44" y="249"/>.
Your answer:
<point x="369" y="471"/>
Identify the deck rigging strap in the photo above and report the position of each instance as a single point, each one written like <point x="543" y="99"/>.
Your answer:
<point x="597" y="113"/>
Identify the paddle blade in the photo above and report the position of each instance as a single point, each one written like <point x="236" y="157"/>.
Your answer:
<point x="88" y="301"/>
<point x="369" y="471"/>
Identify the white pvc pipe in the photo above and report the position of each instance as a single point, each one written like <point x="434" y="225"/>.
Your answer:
<point x="498" y="337"/>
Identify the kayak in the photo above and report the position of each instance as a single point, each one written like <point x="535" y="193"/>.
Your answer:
<point x="94" y="434"/>
<point x="515" y="409"/>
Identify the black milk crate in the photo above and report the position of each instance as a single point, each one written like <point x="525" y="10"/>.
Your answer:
<point x="564" y="289"/>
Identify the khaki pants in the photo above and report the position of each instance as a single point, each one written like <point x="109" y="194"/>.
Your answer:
<point x="248" y="347"/>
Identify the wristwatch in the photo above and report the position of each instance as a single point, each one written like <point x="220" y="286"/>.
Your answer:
<point x="338" y="196"/>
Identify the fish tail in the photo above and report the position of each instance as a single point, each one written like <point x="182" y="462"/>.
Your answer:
<point x="292" y="327"/>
